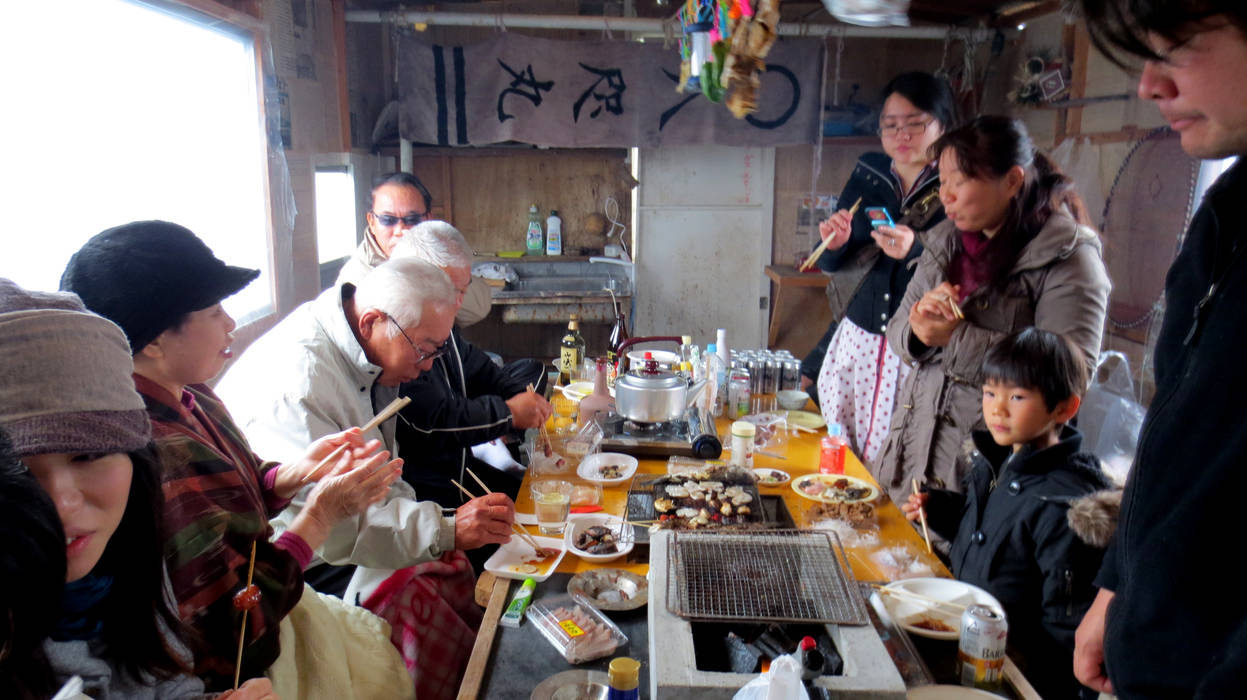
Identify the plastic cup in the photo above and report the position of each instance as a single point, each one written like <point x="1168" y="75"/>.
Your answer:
<point x="552" y="499"/>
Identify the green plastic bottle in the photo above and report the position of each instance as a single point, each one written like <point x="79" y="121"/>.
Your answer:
<point x="533" y="242"/>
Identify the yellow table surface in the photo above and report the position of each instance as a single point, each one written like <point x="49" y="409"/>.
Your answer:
<point x="801" y="452"/>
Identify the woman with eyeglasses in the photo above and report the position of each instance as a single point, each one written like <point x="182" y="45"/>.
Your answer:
<point x="1014" y="252"/>
<point x="857" y="375"/>
<point x="163" y="286"/>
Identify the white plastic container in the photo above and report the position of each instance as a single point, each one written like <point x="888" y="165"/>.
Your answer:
<point x="578" y="630"/>
<point x="554" y="233"/>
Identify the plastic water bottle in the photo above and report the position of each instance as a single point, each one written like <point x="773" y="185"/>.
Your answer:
<point x="831" y="451"/>
<point x="717" y="379"/>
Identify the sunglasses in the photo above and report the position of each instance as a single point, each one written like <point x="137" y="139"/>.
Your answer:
<point x="422" y="356"/>
<point x="388" y="220"/>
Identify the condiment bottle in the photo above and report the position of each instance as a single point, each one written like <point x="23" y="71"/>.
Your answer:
<point x="831" y="451"/>
<point x="554" y="233"/>
<point x="743" y="433"/>
<point x="624" y="679"/>
<point x="600" y="401"/>
<point x="571" y="351"/>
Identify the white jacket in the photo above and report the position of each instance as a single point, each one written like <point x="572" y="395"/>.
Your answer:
<point x="308" y="377"/>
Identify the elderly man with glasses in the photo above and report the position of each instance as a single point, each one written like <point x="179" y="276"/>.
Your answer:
<point x="464" y="399"/>
<point x="334" y="363"/>
<point x="399" y="203"/>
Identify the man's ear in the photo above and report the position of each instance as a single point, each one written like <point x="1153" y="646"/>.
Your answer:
<point x="1067" y="409"/>
<point x="370" y="322"/>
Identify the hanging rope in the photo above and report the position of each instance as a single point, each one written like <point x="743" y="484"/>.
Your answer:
<point x="835" y="90"/>
<point x="816" y="167"/>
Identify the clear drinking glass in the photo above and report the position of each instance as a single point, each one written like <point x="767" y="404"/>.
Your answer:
<point x="552" y="499"/>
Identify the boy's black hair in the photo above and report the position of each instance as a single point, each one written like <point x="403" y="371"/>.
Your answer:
<point x="1119" y="28"/>
<point x="32" y="576"/>
<point x="405" y="180"/>
<point x="1038" y="360"/>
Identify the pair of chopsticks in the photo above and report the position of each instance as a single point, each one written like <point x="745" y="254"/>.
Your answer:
<point x="952" y="304"/>
<point x="823" y="246"/>
<point x="922" y="515"/>
<point x="518" y="528"/>
<point x="919" y="598"/>
<point x="541" y="428"/>
<point x="394" y="407"/>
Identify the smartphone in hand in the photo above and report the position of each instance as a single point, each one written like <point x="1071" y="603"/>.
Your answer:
<point x="879" y="216"/>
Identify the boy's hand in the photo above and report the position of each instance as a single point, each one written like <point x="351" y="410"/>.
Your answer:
<point x="915" y="503"/>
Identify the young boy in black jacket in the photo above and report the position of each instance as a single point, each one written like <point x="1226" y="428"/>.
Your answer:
<point x="1014" y="533"/>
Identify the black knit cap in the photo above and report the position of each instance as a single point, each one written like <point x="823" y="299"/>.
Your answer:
<point x="145" y="276"/>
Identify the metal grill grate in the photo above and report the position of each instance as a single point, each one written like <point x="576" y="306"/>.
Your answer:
<point x="773" y="575"/>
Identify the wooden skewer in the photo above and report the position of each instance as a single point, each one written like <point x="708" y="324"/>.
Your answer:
<point x="519" y="530"/>
<point x="801" y="428"/>
<point x="922" y="515"/>
<point x="242" y="632"/>
<point x="918" y="597"/>
<point x="823" y="246"/>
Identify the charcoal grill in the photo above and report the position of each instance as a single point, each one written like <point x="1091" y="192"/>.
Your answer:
<point x="764" y="575"/>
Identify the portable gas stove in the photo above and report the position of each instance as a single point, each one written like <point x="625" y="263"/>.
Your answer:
<point x="689" y="436"/>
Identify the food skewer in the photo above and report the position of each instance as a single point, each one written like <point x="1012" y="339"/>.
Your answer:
<point x="922" y="515"/>
<point x="523" y="534"/>
<point x="394" y="407"/>
<point x="242" y="632"/>
<point x="823" y="246"/>
<point x="919" y="598"/>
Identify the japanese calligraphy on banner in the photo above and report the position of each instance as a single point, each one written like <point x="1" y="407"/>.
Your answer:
<point x="593" y="93"/>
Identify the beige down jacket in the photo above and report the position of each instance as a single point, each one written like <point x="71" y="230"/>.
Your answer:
<point x="1058" y="283"/>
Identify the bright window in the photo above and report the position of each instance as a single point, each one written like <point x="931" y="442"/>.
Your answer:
<point x="116" y="111"/>
<point x="335" y="212"/>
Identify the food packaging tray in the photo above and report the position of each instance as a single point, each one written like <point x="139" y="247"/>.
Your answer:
<point x="577" y="630"/>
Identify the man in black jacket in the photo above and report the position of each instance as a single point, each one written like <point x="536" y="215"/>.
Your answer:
<point x="465" y="399"/>
<point x="1157" y="628"/>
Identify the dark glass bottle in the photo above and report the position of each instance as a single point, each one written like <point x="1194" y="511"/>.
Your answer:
<point x="619" y="333"/>
<point x="571" y="352"/>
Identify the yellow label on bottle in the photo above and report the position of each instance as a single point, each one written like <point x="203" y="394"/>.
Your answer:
<point x="571" y="628"/>
<point x="570" y="359"/>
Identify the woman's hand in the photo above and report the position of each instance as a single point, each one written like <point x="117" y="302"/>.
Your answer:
<point x="836" y="229"/>
<point x="911" y="507"/>
<point x="894" y="241"/>
<point x="350" y="446"/>
<point x="351" y="487"/>
<point x="254" y="689"/>
<point x="932" y="318"/>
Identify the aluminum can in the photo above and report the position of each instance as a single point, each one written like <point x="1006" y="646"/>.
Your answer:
<point x="738" y="393"/>
<point x="757" y="375"/>
<point x="791" y="377"/>
<point x="981" y="651"/>
<point x="773" y="371"/>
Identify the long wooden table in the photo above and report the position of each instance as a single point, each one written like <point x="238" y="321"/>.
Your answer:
<point x="800" y="450"/>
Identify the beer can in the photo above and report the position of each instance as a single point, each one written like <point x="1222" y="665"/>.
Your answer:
<point x="981" y="651"/>
<point x="791" y="377"/>
<point x="773" y="370"/>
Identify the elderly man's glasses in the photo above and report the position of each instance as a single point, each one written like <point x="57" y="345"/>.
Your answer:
<point x="911" y="128"/>
<point x="422" y="356"/>
<point x="388" y="220"/>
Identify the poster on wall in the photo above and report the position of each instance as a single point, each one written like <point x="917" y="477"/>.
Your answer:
<point x="593" y="94"/>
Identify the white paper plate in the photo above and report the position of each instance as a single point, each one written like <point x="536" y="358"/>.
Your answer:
<point x="767" y="472"/>
<point x="807" y="419"/>
<point x="512" y="558"/>
<point x="947" y="692"/>
<point x="909" y="613"/>
<point x="590" y="468"/>
<point x="829" y="496"/>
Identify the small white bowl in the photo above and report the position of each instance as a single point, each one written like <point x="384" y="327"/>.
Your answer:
<point x="590" y="468"/>
<point x="792" y="399"/>
<point x="580" y="523"/>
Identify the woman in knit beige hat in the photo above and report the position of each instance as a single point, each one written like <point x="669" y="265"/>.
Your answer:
<point x="68" y="404"/>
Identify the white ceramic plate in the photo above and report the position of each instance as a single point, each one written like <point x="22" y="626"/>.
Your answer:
<point x="590" y="468"/>
<point x="771" y="477"/>
<point x="578" y="390"/>
<point x="830" y="495"/>
<point x="580" y="523"/>
<point x="912" y="614"/>
<point x="806" y="419"/>
<point x="515" y="558"/>
<point x="948" y="692"/>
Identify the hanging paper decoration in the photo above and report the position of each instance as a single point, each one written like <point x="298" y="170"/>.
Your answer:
<point x="722" y="47"/>
<point x="870" y="13"/>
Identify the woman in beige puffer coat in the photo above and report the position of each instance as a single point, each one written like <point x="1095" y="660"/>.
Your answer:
<point x="1013" y="253"/>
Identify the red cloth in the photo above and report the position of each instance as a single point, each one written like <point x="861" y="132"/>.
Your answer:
<point x="972" y="263"/>
<point x="433" y="618"/>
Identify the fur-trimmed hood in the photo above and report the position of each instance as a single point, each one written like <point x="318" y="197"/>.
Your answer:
<point x="1094" y="516"/>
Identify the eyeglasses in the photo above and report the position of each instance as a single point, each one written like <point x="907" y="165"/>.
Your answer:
<point x="911" y="128"/>
<point x="421" y="355"/>
<point x="388" y="220"/>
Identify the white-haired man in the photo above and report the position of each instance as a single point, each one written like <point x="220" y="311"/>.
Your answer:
<point x="399" y="203"/>
<point x="464" y="399"/>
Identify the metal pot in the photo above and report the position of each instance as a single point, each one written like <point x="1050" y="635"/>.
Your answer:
<point x="655" y="397"/>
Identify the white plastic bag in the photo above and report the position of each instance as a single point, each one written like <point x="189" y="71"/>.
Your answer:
<point x="782" y="681"/>
<point x="1110" y="418"/>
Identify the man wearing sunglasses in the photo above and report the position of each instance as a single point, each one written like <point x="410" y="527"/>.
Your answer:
<point x="464" y="399"/>
<point x="338" y="361"/>
<point x="399" y="203"/>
